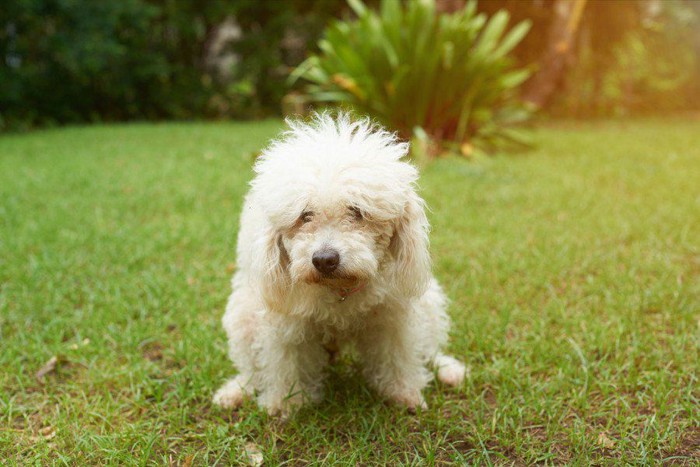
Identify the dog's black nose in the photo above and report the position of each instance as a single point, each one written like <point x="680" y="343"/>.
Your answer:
<point x="326" y="261"/>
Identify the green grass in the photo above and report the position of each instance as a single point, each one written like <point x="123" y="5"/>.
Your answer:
<point x="574" y="272"/>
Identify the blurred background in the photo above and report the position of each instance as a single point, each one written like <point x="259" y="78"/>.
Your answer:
<point x="573" y="272"/>
<point x="78" y="61"/>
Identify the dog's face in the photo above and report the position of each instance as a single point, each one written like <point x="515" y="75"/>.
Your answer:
<point x="342" y="209"/>
<point x="335" y="241"/>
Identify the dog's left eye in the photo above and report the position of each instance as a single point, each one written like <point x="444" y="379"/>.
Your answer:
<point x="356" y="213"/>
<point x="306" y="216"/>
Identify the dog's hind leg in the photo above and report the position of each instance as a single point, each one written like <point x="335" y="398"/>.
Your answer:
<point x="450" y="371"/>
<point x="432" y="327"/>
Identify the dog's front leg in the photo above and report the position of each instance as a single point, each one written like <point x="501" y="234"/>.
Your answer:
<point x="393" y="364"/>
<point x="290" y="372"/>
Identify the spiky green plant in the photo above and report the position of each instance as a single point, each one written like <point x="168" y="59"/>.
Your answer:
<point x="447" y="77"/>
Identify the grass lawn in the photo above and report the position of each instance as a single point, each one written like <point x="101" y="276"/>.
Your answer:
<point x="574" y="272"/>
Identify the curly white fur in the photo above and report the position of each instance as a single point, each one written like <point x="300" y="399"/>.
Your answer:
<point x="334" y="185"/>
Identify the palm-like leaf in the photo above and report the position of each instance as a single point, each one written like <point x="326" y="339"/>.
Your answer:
<point x="409" y="67"/>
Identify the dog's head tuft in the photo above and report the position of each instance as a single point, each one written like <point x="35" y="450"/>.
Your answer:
<point x="342" y="209"/>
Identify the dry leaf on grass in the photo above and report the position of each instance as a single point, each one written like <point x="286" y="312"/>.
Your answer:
<point x="605" y="442"/>
<point x="253" y="455"/>
<point x="46" y="433"/>
<point x="48" y="367"/>
<point x="85" y="341"/>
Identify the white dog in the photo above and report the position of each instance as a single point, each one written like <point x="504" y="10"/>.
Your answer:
<point x="333" y="254"/>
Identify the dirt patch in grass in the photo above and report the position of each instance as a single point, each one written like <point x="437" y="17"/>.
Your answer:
<point x="688" y="450"/>
<point x="152" y="351"/>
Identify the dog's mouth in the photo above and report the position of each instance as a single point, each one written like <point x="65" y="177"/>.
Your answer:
<point x="337" y="281"/>
<point x="342" y="286"/>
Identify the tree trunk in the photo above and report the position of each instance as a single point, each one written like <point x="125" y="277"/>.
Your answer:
<point x="562" y="33"/>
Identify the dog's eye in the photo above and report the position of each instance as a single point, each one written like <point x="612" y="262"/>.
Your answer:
<point x="356" y="213"/>
<point x="306" y="216"/>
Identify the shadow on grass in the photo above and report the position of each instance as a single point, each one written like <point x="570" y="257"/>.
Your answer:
<point x="354" y="424"/>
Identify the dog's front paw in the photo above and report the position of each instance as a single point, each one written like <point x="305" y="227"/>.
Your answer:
<point x="282" y="407"/>
<point x="230" y="395"/>
<point x="411" y="399"/>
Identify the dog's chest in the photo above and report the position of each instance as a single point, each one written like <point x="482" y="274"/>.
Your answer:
<point x="343" y="324"/>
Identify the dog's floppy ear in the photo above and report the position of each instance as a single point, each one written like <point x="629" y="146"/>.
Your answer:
<point x="272" y="259"/>
<point x="409" y="247"/>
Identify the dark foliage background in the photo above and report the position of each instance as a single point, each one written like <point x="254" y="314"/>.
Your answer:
<point x="64" y="61"/>
<point x="75" y="61"/>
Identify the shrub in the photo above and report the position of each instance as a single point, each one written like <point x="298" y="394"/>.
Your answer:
<point x="445" y="76"/>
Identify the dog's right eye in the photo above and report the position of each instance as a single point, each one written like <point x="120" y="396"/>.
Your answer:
<point x="306" y="216"/>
